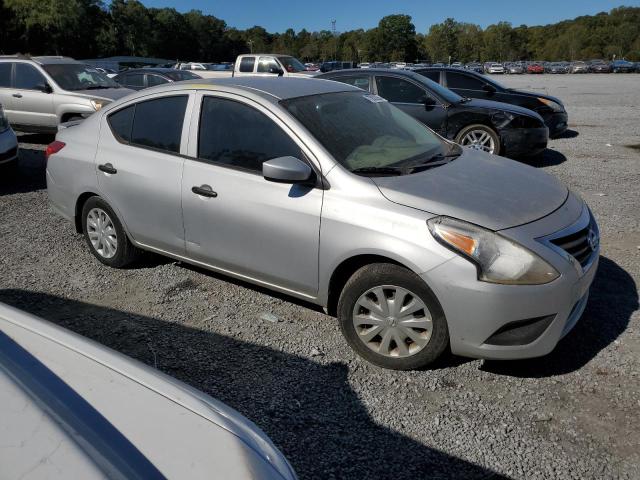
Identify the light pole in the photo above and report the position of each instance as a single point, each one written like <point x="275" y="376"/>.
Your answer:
<point x="250" y="43"/>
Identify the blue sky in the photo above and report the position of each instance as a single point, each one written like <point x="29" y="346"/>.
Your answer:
<point x="278" y="15"/>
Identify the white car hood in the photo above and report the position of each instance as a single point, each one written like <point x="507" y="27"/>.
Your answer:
<point x="72" y="408"/>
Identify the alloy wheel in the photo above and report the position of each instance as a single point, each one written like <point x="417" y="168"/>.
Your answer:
<point x="479" y="140"/>
<point x="392" y="321"/>
<point x="102" y="233"/>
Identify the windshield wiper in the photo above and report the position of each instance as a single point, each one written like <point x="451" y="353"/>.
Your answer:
<point x="98" y="87"/>
<point x="379" y="170"/>
<point x="435" y="161"/>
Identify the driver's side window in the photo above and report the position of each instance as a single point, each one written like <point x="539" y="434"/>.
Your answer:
<point x="265" y="64"/>
<point x="28" y="77"/>
<point x="465" y="82"/>
<point x="397" y="90"/>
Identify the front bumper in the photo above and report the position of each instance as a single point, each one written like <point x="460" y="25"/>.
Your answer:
<point x="557" y="122"/>
<point x="8" y="147"/>
<point x="524" y="142"/>
<point x="476" y="310"/>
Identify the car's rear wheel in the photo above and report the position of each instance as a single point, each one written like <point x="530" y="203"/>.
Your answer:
<point x="105" y="236"/>
<point x="479" y="137"/>
<point x="391" y="318"/>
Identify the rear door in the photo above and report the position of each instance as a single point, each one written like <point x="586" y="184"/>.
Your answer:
<point x="248" y="226"/>
<point x="414" y="100"/>
<point x="245" y="67"/>
<point x="140" y="165"/>
<point x="32" y="105"/>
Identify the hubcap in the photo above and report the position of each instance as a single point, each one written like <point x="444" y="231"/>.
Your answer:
<point x="102" y="233"/>
<point x="392" y="321"/>
<point x="479" y="140"/>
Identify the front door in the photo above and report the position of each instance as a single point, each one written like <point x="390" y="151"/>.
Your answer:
<point x="234" y="219"/>
<point x="32" y="105"/>
<point x="414" y="100"/>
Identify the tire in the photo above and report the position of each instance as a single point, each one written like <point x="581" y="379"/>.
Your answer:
<point x="478" y="131"/>
<point x="385" y="277"/>
<point x="98" y="217"/>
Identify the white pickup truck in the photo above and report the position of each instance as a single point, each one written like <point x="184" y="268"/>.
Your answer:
<point x="251" y="64"/>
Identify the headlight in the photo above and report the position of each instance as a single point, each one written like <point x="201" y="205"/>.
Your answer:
<point x="498" y="259"/>
<point x="4" y="123"/>
<point x="98" y="104"/>
<point x="556" y="107"/>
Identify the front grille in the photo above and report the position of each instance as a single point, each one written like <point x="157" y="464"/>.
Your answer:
<point x="8" y="154"/>
<point x="578" y="244"/>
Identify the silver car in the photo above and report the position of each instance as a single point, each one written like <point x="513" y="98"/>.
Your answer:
<point x="330" y="194"/>
<point x="72" y="408"/>
<point x="39" y="93"/>
<point x="8" y="142"/>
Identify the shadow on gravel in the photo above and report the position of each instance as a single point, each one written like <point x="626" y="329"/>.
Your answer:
<point x="548" y="158"/>
<point x="27" y="176"/>
<point x="309" y="410"/>
<point x="566" y="134"/>
<point x="613" y="299"/>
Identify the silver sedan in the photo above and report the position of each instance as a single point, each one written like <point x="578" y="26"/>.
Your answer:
<point x="330" y="194"/>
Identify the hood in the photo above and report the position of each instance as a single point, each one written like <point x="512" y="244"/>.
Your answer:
<point x="487" y="190"/>
<point x="536" y="95"/>
<point x="503" y="107"/>
<point x="106" y="93"/>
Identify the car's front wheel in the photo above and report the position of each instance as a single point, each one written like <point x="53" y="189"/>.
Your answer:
<point x="479" y="137"/>
<point x="390" y="317"/>
<point x="105" y="235"/>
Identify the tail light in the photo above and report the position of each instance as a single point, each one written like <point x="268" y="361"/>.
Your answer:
<point x="52" y="148"/>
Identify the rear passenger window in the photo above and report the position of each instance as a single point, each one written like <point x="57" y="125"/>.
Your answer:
<point x="158" y="123"/>
<point x="247" y="63"/>
<point x="5" y="75"/>
<point x="360" y="82"/>
<point x="466" y="82"/>
<point x="235" y="134"/>
<point x="121" y="122"/>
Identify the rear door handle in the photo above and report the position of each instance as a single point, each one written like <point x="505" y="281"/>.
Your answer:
<point x="107" y="168"/>
<point x="204" y="191"/>
<point x="17" y="95"/>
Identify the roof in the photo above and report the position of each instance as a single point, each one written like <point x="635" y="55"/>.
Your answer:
<point x="127" y="59"/>
<point x="366" y="71"/>
<point x="279" y="88"/>
<point x="44" y="60"/>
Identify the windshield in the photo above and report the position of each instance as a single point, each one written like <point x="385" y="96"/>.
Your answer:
<point x="179" y="75"/>
<point x="365" y="131"/>
<point x="292" y="64"/>
<point x="75" y="76"/>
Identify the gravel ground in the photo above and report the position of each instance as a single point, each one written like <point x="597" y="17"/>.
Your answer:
<point x="283" y="364"/>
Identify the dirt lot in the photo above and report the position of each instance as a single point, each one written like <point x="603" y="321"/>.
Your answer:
<point x="572" y="414"/>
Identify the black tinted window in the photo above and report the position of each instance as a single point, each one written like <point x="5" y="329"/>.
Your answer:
<point x="397" y="90"/>
<point x="153" y="80"/>
<point x="246" y="64"/>
<point x="158" y="123"/>
<point x="432" y="75"/>
<point x="460" y="80"/>
<point x="360" y="82"/>
<point x="235" y="134"/>
<point x="121" y="122"/>
<point x="28" y="78"/>
<point x="5" y="75"/>
<point x="133" y="80"/>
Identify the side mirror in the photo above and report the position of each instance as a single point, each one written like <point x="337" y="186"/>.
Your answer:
<point x="44" y="87"/>
<point x="489" y="88"/>
<point x="286" y="170"/>
<point x="276" y="71"/>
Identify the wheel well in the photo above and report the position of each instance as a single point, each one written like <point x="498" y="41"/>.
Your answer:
<point x="343" y="273"/>
<point x="82" y="199"/>
<point x="69" y="115"/>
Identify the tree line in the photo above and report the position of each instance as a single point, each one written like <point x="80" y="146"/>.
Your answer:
<point x="93" y="29"/>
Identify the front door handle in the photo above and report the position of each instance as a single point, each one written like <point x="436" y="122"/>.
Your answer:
<point x="17" y="95"/>
<point x="107" y="168"/>
<point x="204" y="191"/>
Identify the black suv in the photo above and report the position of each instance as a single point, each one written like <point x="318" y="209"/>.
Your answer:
<point x="470" y="84"/>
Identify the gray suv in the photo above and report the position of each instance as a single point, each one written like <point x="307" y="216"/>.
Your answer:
<point x="333" y="195"/>
<point x="39" y="93"/>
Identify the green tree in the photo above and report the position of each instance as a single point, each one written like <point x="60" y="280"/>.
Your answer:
<point x="397" y="36"/>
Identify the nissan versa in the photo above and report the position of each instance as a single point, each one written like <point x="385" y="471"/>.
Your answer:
<point x="333" y="195"/>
